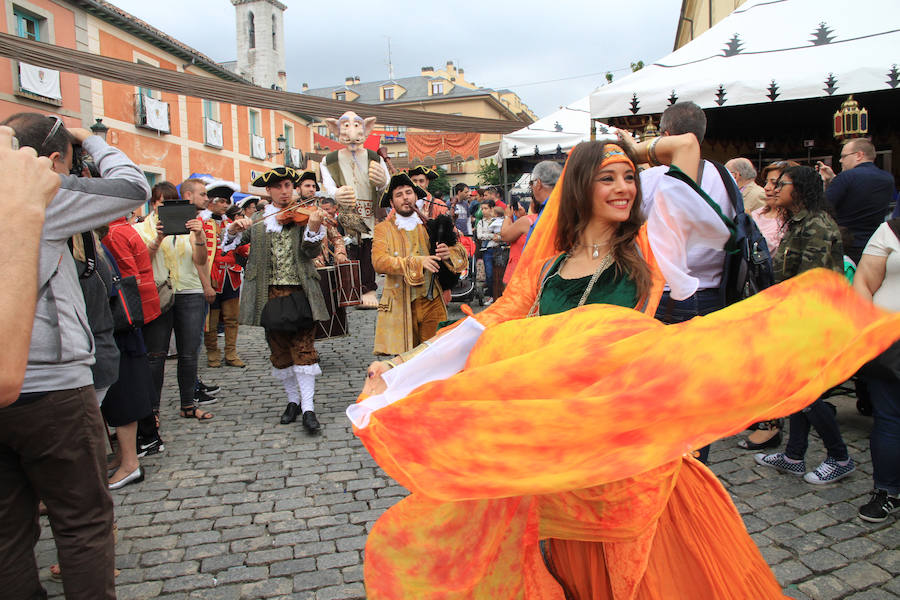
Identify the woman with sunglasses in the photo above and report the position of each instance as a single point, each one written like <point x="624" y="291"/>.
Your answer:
<point x="811" y="240"/>
<point x="770" y="220"/>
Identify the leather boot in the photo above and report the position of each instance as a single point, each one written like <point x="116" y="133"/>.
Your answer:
<point x="230" y="309"/>
<point x="213" y="358"/>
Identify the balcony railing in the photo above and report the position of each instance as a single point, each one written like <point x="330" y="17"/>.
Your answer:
<point x="294" y="158"/>
<point x="212" y="133"/>
<point x="151" y="113"/>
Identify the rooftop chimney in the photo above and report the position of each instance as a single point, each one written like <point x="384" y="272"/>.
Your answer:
<point x="427" y="70"/>
<point x="356" y="79"/>
<point x="348" y="80"/>
<point x="305" y="86"/>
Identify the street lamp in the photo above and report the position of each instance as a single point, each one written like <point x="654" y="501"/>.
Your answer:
<point x="808" y="144"/>
<point x="100" y="129"/>
<point x="760" y="146"/>
<point x="281" y="143"/>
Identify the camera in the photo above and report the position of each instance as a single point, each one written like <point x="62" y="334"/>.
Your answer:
<point x="80" y="160"/>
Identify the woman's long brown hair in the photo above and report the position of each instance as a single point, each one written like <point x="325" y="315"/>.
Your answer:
<point x="576" y="209"/>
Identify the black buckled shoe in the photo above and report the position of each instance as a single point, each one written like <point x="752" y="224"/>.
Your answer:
<point x="290" y="413"/>
<point x="311" y="422"/>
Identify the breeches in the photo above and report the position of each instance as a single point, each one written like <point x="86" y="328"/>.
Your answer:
<point x="290" y="348"/>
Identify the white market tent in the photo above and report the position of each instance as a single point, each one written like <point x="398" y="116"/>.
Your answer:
<point x="769" y="51"/>
<point x="563" y="129"/>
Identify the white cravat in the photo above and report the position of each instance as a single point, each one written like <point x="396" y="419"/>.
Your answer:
<point x="407" y="223"/>
<point x="272" y="224"/>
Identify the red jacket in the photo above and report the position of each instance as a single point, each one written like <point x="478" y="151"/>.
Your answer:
<point x="133" y="258"/>
<point x="226" y="264"/>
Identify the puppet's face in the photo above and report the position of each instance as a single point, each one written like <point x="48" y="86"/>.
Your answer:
<point x="351" y="129"/>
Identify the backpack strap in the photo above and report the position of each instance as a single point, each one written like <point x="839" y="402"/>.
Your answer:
<point x="731" y="245"/>
<point x="734" y="194"/>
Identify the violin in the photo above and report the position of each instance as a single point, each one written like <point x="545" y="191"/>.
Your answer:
<point x="295" y="214"/>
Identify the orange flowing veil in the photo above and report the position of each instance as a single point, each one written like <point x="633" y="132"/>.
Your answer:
<point x="574" y="426"/>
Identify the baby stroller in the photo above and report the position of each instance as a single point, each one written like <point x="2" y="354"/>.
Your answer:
<point x="466" y="289"/>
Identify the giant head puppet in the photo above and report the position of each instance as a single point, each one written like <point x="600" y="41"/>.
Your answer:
<point x="354" y="176"/>
<point x="351" y="129"/>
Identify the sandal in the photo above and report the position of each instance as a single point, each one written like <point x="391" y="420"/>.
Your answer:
<point x="773" y="427"/>
<point x="192" y="412"/>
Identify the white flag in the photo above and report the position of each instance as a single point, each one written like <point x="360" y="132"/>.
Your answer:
<point x="38" y="80"/>
<point x="157" y="114"/>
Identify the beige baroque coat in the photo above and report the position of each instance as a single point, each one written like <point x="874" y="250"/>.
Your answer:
<point x="255" y="289"/>
<point x="393" y="330"/>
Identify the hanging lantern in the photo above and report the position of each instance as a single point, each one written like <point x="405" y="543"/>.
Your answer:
<point x="650" y="131"/>
<point x="850" y="121"/>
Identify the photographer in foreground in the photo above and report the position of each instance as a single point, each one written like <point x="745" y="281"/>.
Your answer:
<point x="52" y="437"/>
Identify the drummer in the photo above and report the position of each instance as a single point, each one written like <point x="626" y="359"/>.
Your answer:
<point x="334" y="250"/>
<point x="282" y="257"/>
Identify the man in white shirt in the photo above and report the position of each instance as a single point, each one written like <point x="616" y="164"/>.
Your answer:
<point x="686" y="234"/>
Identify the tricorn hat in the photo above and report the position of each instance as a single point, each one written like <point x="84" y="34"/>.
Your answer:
<point x="276" y="176"/>
<point x="399" y="180"/>
<point x="431" y="174"/>
<point x="311" y="175"/>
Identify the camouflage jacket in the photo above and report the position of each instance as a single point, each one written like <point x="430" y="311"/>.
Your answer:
<point x="810" y="241"/>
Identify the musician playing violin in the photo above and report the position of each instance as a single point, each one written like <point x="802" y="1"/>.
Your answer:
<point x="284" y="241"/>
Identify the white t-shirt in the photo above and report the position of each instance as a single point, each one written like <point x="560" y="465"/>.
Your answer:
<point x="884" y="243"/>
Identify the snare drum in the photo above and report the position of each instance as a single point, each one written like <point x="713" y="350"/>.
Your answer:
<point x="336" y="325"/>
<point x="349" y="284"/>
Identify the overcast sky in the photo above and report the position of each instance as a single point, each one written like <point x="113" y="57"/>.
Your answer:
<point x="542" y="50"/>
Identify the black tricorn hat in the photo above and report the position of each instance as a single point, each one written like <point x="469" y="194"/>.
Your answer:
<point x="399" y="180"/>
<point x="275" y="176"/>
<point x="431" y="174"/>
<point x="307" y="175"/>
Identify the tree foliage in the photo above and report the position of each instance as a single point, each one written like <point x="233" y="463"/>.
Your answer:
<point x="489" y="172"/>
<point x="441" y="184"/>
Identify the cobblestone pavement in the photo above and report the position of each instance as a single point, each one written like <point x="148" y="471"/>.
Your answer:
<point x="243" y="507"/>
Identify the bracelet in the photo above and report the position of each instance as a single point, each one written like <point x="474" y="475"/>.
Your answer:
<point x="651" y="152"/>
<point x="390" y="362"/>
<point x="200" y="244"/>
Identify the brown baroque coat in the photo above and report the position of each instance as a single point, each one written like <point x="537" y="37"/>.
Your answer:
<point x="255" y="290"/>
<point x="393" y="330"/>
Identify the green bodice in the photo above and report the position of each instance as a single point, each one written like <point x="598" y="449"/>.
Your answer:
<point x="612" y="287"/>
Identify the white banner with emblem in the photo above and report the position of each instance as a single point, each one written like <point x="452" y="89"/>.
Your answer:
<point x="39" y="80"/>
<point x="156" y="114"/>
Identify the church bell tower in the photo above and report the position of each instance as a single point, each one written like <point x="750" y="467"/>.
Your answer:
<point x="260" y="41"/>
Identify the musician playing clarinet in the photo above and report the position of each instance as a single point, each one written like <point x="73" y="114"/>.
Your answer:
<point x="281" y="264"/>
<point x="411" y="305"/>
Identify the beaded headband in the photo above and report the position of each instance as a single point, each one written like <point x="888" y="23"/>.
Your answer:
<point x="612" y="154"/>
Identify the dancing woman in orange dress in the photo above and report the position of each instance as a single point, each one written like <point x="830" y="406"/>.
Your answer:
<point x="549" y="457"/>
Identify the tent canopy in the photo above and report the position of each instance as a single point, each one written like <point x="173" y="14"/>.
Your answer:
<point x="769" y="51"/>
<point x="564" y="128"/>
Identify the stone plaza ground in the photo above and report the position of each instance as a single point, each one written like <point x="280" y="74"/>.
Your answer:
<point x="243" y="507"/>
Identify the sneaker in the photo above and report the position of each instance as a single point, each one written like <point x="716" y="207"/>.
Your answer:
<point x="149" y="447"/>
<point x="202" y="398"/>
<point x="829" y="471"/>
<point x="879" y="506"/>
<point x="781" y="462"/>
<point x="209" y="389"/>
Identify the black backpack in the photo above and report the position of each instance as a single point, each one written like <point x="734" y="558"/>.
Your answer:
<point x="748" y="264"/>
